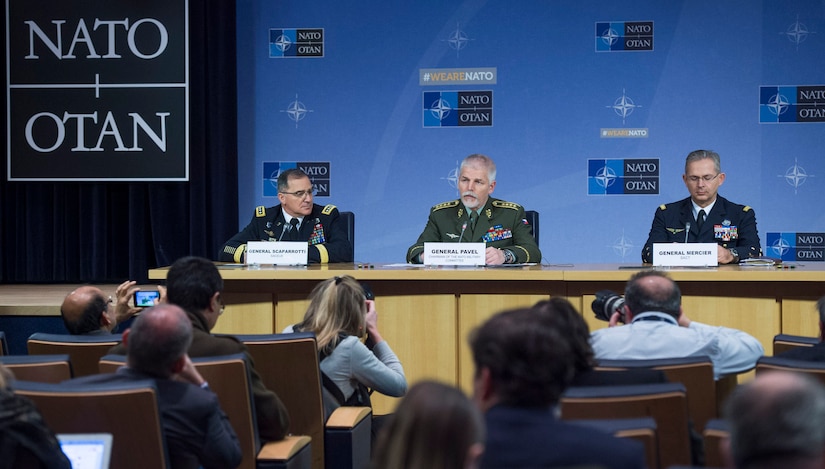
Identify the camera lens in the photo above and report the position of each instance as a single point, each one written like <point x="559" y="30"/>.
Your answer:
<point x="606" y="303"/>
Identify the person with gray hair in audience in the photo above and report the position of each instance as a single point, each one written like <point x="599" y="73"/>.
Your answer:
<point x="776" y="421"/>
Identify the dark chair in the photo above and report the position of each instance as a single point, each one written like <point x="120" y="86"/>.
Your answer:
<point x="716" y="431"/>
<point x="641" y="429"/>
<point x="4" y="346"/>
<point x="696" y="373"/>
<point x="348" y="218"/>
<point x="666" y="403"/>
<point x="84" y="350"/>
<point x="228" y="377"/>
<point x="785" y="342"/>
<point x="40" y="368"/>
<point x="288" y="364"/>
<point x="815" y="370"/>
<point x="128" y="411"/>
<point x="533" y="218"/>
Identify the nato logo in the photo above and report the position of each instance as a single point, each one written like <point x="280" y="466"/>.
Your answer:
<point x="622" y="177"/>
<point x="458" y="108"/>
<point x="318" y="172"/>
<point x="784" y="104"/>
<point x="793" y="247"/>
<point x="288" y="43"/>
<point x="618" y="36"/>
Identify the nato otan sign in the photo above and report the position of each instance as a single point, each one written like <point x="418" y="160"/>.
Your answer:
<point x="98" y="90"/>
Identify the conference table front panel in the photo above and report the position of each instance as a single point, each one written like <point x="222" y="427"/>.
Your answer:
<point x="426" y="314"/>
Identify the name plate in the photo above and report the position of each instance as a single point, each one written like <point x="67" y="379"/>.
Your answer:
<point x="685" y="254"/>
<point x="277" y="252"/>
<point x="470" y="254"/>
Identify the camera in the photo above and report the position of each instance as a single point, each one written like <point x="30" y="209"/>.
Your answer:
<point x="606" y="303"/>
<point x="146" y="298"/>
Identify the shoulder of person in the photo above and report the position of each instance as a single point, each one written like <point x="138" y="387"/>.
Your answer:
<point x="734" y="206"/>
<point x="675" y="205"/>
<point x="328" y="209"/>
<point x="443" y="205"/>
<point x="261" y="210"/>
<point x="504" y="204"/>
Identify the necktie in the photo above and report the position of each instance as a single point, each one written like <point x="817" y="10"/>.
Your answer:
<point x="700" y="219"/>
<point x="293" y="230"/>
<point x="473" y="218"/>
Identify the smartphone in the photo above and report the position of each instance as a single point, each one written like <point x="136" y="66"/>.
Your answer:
<point x="146" y="298"/>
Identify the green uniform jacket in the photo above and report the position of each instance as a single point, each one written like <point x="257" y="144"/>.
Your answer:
<point x="500" y="225"/>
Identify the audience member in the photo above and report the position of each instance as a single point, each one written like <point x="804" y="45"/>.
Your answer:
<point x="339" y="314"/>
<point x="563" y="317"/>
<point x="87" y="311"/>
<point x="656" y="327"/>
<point x="434" y="426"/>
<point x="25" y="440"/>
<point x="776" y="421"/>
<point x="817" y="352"/>
<point x="194" y="284"/>
<point x="196" y="429"/>
<point x="522" y="366"/>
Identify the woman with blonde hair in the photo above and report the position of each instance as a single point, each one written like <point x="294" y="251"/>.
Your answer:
<point x="435" y="426"/>
<point x="339" y="315"/>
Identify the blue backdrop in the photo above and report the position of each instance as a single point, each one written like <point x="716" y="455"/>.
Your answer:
<point x="360" y="106"/>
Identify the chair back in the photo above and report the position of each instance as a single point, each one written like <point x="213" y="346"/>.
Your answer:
<point x="785" y="342"/>
<point x="696" y="373"/>
<point x="4" y="346"/>
<point x="40" y="368"/>
<point x="288" y="365"/>
<point x="716" y="431"/>
<point x="814" y="369"/>
<point x="129" y="411"/>
<point x="666" y="403"/>
<point x="84" y="350"/>
<point x="348" y="219"/>
<point x="641" y="429"/>
<point x="533" y="218"/>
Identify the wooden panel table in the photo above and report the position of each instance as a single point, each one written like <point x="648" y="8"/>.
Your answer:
<point x="426" y="313"/>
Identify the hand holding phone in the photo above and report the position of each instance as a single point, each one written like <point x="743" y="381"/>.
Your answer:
<point x="146" y="298"/>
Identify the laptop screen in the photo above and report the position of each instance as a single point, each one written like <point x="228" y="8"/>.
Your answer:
<point x="87" y="450"/>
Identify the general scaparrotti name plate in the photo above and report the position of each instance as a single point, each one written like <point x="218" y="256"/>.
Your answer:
<point x="98" y="90"/>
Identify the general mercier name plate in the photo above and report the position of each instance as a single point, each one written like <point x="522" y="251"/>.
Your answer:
<point x="685" y="254"/>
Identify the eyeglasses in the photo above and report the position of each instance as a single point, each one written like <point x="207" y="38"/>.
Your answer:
<point x="696" y="179"/>
<point x="302" y="194"/>
<point x="223" y="308"/>
<point x="110" y="301"/>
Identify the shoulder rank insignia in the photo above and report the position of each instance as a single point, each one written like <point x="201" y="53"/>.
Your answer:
<point x="260" y="211"/>
<point x="452" y="203"/>
<point x="663" y="207"/>
<point x="675" y="230"/>
<point x="505" y="204"/>
<point x="328" y="209"/>
<point x="746" y="208"/>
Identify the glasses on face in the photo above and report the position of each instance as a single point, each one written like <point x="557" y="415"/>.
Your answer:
<point x="696" y="179"/>
<point x="223" y="308"/>
<point x="302" y="194"/>
<point x="110" y="301"/>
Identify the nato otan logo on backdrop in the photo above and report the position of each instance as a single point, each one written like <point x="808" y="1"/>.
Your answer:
<point x="797" y="246"/>
<point x="290" y="43"/>
<point x="458" y="108"/>
<point x="318" y="172"/>
<point x="622" y="177"/>
<point x="783" y="104"/>
<point x="620" y="36"/>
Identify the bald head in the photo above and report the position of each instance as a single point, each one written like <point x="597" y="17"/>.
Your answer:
<point x="86" y="310"/>
<point x="653" y="290"/>
<point x="776" y="421"/>
<point x="158" y="338"/>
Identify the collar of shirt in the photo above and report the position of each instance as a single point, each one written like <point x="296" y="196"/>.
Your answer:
<point x="288" y="218"/>
<point x="654" y="316"/>
<point x="707" y="209"/>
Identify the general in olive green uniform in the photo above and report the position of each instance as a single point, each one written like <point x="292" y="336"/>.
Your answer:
<point x="500" y="224"/>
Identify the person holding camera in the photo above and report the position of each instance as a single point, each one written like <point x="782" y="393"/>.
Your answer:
<point x="656" y="327"/>
<point x="87" y="311"/>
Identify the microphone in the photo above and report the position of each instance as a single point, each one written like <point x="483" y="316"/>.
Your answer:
<point x="283" y="230"/>
<point x="463" y="227"/>
<point x="687" y="230"/>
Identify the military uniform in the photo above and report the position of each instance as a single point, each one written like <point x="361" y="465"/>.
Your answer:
<point x="728" y="224"/>
<point x="323" y="229"/>
<point x="500" y="225"/>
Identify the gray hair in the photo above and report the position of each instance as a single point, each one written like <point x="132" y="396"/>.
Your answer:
<point x="480" y="160"/>
<point x="698" y="155"/>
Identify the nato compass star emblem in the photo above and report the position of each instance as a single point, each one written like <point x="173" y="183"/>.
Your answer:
<point x="610" y="36"/>
<point x="797" y="32"/>
<point x="605" y="177"/>
<point x="624" y="106"/>
<point x="283" y="43"/>
<point x="452" y="176"/>
<point x="296" y="110"/>
<point x="458" y="39"/>
<point x="440" y="109"/>
<point x="778" y="104"/>
<point x="780" y="247"/>
<point x="622" y="246"/>
<point x="795" y="176"/>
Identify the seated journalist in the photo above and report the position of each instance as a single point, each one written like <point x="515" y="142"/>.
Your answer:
<point x="478" y="218"/>
<point x="87" y="311"/>
<point x="705" y="216"/>
<point x="297" y="218"/>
